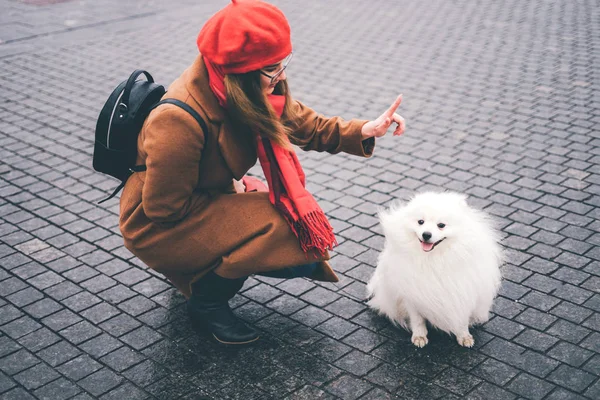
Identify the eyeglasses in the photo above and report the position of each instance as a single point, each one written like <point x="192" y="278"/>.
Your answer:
<point x="284" y="64"/>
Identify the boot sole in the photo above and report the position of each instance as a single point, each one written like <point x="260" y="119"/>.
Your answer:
<point x="203" y="330"/>
<point x="235" y="343"/>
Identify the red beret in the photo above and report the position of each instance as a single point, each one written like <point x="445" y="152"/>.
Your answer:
<point x="246" y="35"/>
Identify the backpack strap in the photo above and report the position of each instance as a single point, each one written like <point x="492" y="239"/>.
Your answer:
<point x="178" y="103"/>
<point x="136" y="168"/>
<point x="187" y="108"/>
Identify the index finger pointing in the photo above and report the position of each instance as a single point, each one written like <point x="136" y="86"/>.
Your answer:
<point x="390" y="111"/>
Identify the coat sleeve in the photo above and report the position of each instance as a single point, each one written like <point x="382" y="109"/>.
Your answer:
<point x="316" y="132"/>
<point x="173" y="143"/>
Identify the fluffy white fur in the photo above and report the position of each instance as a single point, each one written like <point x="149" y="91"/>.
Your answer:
<point x="454" y="284"/>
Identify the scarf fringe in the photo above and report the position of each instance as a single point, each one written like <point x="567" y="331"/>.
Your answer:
<point x="314" y="233"/>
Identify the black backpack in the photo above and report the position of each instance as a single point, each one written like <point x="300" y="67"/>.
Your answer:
<point x="120" y="122"/>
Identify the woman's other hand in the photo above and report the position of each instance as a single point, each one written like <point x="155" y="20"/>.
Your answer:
<point x="379" y="127"/>
<point x="239" y="186"/>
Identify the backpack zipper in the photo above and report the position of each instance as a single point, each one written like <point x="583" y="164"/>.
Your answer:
<point x="111" y="118"/>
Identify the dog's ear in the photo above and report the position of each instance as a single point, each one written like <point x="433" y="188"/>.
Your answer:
<point x="390" y="218"/>
<point x="462" y="198"/>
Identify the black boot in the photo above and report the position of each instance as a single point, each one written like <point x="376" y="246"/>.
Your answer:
<point x="208" y="307"/>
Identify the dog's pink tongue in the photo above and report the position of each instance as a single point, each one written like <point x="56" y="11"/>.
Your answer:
<point x="426" y="246"/>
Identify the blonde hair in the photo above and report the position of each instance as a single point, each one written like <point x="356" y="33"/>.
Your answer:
<point x="250" y="110"/>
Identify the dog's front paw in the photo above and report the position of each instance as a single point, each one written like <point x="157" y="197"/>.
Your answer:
<point x="466" y="341"/>
<point x="419" y="341"/>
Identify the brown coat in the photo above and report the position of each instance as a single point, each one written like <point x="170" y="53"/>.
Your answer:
<point x="182" y="216"/>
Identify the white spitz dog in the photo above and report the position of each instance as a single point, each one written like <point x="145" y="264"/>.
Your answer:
<point x="440" y="263"/>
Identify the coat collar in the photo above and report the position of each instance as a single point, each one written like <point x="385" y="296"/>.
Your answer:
<point x="196" y="82"/>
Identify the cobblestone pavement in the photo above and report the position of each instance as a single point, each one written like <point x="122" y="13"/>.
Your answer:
<point x="502" y="101"/>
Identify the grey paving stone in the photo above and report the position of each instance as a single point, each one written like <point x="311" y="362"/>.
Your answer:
<point x="45" y="280"/>
<point x="117" y="294"/>
<point x="38" y="339"/>
<point x="20" y="327"/>
<point x="573" y="294"/>
<point x="456" y="381"/>
<point x="495" y="371"/>
<point x="131" y="276"/>
<point x="141" y="338"/>
<point x="319" y="297"/>
<point x="100" y="382"/>
<point x="311" y="316"/>
<point x="25" y="297"/>
<point x="530" y="387"/>
<point x="514" y="273"/>
<point x="302" y="336"/>
<point x="286" y="304"/>
<point x="488" y="391"/>
<point x="120" y="324"/>
<point x="364" y="340"/>
<point x="568" y="331"/>
<point x="535" y="363"/>
<point x="11" y="285"/>
<point x="145" y="373"/>
<point x="100" y="345"/>
<point x="262" y="293"/>
<point x="593" y="391"/>
<point x="348" y="387"/>
<point x="570" y="354"/>
<point x="591" y="342"/>
<point x="36" y="376"/>
<point x="345" y="308"/>
<point x="512" y="290"/>
<point x="571" y="378"/>
<point x="98" y="283"/>
<point x="7" y="346"/>
<point x="137" y="305"/>
<point x="42" y="308"/>
<point x="122" y="359"/>
<point x="389" y="377"/>
<point x="63" y="264"/>
<point x="58" y="389"/>
<point x="29" y="270"/>
<point x="17" y="394"/>
<point x="571" y="312"/>
<point x="309" y="392"/>
<point x="131" y="392"/>
<point x="151" y="287"/>
<point x="502" y="349"/>
<point x="79" y="367"/>
<point x="336" y="327"/>
<point x="17" y="362"/>
<point x="80" y="332"/>
<point x="536" y="319"/>
<point x="357" y="363"/>
<point x="6" y="383"/>
<point x="564" y="394"/>
<point x="503" y="327"/>
<point x="47" y="255"/>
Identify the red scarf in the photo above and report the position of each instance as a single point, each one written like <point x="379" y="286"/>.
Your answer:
<point x="286" y="179"/>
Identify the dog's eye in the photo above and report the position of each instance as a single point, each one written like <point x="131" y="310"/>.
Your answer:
<point x="421" y="222"/>
<point x="441" y="226"/>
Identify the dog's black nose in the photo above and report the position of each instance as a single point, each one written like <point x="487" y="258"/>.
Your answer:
<point x="426" y="236"/>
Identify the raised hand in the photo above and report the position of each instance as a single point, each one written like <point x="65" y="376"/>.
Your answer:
<point x="379" y="127"/>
